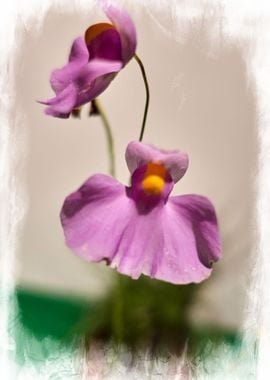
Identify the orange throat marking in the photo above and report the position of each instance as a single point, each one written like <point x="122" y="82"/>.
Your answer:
<point x="154" y="179"/>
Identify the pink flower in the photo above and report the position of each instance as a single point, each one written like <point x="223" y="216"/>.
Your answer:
<point x="140" y="229"/>
<point x="94" y="60"/>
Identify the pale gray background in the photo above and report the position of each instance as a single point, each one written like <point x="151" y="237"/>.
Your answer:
<point x="202" y="102"/>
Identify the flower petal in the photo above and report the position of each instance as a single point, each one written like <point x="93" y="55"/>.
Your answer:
<point x="90" y="81"/>
<point x="175" y="243"/>
<point x="79" y="51"/>
<point x="63" y="103"/>
<point x="138" y="154"/>
<point x="94" y="78"/>
<point x="78" y="57"/>
<point x="94" y="69"/>
<point x="198" y="214"/>
<point x="91" y="224"/>
<point x="101" y="222"/>
<point x="124" y="24"/>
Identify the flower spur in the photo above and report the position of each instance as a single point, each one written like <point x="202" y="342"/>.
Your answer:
<point x="140" y="229"/>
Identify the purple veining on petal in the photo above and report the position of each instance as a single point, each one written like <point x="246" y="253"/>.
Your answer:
<point x="138" y="154"/>
<point x="173" y="239"/>
<point x="96" y="68"/>
<point x="102" y="222"/>
<point x="91" y="225"/>
<point x="200" y="213"/>
<point x="94" y="78"/>
<point x="97" y="87"/>
<point x="162" y="246"/>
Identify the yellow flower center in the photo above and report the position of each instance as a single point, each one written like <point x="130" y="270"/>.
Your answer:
<point x="154" y="179"/>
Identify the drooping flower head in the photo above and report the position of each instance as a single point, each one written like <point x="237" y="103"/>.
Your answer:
<point x="94" y="60"/>
<point x="140" y="229"/>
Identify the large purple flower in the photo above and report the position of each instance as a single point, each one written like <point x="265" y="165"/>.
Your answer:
<point x="140" y="229"/>
<point x="94" y="60"/>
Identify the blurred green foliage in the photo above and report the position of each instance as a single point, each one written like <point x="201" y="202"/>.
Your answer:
<point x="140" y="314"/>
<point x="144" y="313"/>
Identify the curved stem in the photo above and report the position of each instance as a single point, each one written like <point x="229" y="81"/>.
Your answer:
<point x="109" y="136"/>
<point x="147" y="95"/>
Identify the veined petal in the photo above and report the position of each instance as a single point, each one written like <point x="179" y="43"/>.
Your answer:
<point x="101" y="222"/>
<point x="176" y="242"/>
<point x="94" y="69"/>
<point x="79" y="55"/>
<point x="92" y="227"/>
<point x="89" y="81"/>
<point x="199" y="214"/>
<point x="63" y="103"/>
<point x="124" y="24"/>
<point x="94" y="78"/>
<point x="96" y="88"/>
<point x="138" y="154"/>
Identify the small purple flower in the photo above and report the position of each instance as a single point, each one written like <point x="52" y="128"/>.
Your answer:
<point x="94" y="60"/>
<point x="140" y="229"/>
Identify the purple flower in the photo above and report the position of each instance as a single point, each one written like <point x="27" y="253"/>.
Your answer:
<point x="94" y="60"/>
<point x="140" y="229"/>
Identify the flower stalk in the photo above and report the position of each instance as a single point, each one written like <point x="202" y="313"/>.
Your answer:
<point x="100" y="111"/>
<point x="138" y="60"/>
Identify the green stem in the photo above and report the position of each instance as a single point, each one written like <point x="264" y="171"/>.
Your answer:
<point x="109" y="136"/>
<point x="147" y="95"/>
<point x="117" y="312"/>
<point x="117" y="317"/>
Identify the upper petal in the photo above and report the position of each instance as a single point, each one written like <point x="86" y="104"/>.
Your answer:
<point x="126" y="28"/>
<point x="78" y="57"/>
<point x="138" y="154"/>
<point x="79" y="51"/>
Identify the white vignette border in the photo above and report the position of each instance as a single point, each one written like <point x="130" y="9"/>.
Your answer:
<point x="239" y="15"/>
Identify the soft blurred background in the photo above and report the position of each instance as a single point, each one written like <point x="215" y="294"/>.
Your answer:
<point x="202" y="102"/>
